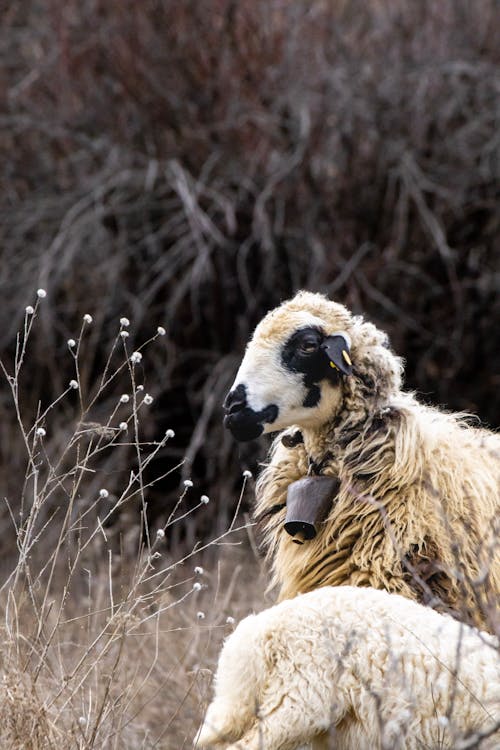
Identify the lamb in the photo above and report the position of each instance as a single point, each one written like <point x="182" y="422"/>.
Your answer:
<point x="412" y="493"/>
<point x="309" y="670"/>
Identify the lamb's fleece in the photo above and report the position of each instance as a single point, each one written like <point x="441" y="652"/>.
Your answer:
<point x="355" y="669"/>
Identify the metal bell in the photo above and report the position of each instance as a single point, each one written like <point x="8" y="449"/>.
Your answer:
<point x="308" y="503"/>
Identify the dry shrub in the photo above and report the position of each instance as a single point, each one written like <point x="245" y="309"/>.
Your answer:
<point x="109" y="628"/>
<point x="25" y="724"/>
<point x="192" y="164"/>
<point x="116" y="665"/>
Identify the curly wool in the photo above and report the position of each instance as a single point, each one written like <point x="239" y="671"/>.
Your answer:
<point x="312" y="669"/>
<point x="417" y="511"/>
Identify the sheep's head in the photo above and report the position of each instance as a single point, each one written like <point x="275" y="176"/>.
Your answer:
<point x="297" y="368"/>
<point x="292" y="369"/>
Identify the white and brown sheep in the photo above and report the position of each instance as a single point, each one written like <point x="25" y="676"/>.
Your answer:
<point x="416" y="506"/>
<point x="354" y="669"/>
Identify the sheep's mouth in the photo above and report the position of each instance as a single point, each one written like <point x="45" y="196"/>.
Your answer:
<point x="246" y="424"/>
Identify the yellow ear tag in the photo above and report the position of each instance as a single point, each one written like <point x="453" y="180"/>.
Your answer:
<point x="332" y="364"/>
<point x="346" y="357"/>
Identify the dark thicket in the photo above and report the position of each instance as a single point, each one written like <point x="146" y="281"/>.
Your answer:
<point x="191" y="164"/>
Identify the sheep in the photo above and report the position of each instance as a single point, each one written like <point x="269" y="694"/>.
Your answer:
<point x="412" y="492"/>
<point x="354" y="669"/>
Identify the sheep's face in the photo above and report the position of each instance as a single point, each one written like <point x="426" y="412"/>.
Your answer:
<point x="291" y="374"/>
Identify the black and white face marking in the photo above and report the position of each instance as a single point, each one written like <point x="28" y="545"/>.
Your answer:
<point x="244" y="422"/>
<point x="303" y="352"/>
<point x="287" y="380"/>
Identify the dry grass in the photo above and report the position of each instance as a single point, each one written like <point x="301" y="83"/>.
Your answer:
<point x="116" y="660"/>
<point x="108" y="632"/>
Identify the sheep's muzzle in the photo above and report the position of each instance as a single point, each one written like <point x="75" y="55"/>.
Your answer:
<point x="244" y="422"/>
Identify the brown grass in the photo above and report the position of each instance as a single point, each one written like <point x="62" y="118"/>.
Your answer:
<point x="118" y="664"/>
<point x="108" y="631"/>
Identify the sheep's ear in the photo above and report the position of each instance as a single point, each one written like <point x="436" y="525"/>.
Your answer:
<point x="337" y="348"/>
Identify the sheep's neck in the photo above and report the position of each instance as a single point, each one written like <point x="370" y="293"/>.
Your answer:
<point x="329" y="441"/>
<point x="320" y="447"/>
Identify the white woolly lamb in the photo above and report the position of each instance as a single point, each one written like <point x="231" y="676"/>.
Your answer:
<point x="358" y="668"/>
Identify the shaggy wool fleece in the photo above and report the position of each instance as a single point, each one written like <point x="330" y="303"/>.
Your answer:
<point x="418" y="506"/>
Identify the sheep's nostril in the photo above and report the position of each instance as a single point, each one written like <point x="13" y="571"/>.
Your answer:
<point x="236" y="400"/>
<point x="236" y="407"/>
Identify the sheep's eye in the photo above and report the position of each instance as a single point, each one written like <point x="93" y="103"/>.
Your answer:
<point x="308" y="346"/>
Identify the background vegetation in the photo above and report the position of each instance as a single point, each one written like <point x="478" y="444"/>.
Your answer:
<point x="190" y="165"/>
